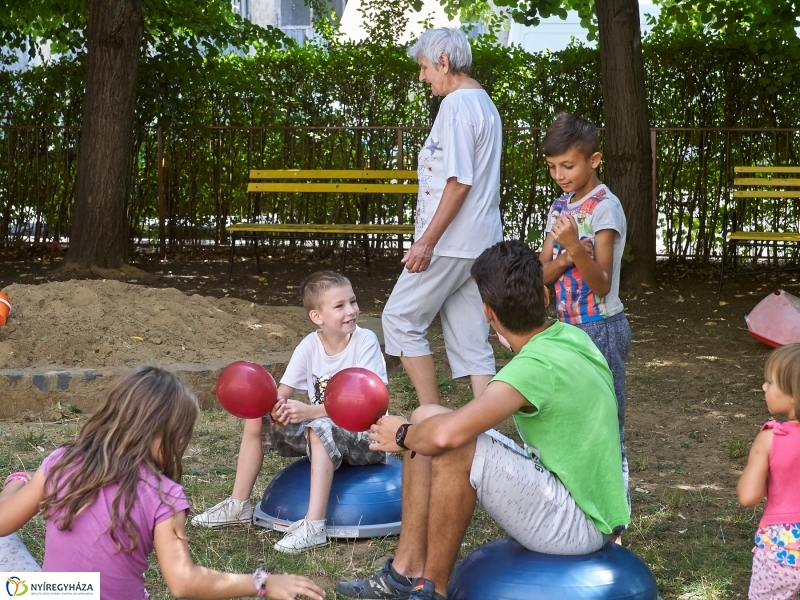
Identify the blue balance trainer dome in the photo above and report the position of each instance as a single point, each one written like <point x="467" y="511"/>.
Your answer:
<point x="505" y="570"/>
<point x="365" y="501"/>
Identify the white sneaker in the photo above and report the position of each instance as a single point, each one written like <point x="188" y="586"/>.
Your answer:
<point x="303" y="535"/>
<point x="227" y="512"/>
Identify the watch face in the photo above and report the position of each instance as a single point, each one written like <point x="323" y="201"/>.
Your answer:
<point x="400" y="436"/>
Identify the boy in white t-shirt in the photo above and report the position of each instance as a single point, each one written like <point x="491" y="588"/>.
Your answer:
<point x="296" y="428"/>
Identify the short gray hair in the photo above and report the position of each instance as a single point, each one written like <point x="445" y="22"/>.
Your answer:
<point x="448" y="41"/>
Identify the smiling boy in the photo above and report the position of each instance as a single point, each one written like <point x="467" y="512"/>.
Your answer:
<point x="583" y="247"/>
<point x="296" y="428"/>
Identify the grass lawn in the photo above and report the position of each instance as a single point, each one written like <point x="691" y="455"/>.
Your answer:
<point x="708" y="559"/>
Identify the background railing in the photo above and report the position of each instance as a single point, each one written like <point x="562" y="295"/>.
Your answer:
<point x="189" y="183"/>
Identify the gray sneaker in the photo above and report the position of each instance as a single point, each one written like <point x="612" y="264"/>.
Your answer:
<point x="424" y="590"/>
<point x="227" y="512"/>
<point x="381" y="586"/>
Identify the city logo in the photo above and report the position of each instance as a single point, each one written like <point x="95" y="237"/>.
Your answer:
<point x="16" y="587"/>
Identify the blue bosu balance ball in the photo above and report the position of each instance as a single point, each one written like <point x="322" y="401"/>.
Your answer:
<point x="365" y="501"/>
<point x="505" y="570"/>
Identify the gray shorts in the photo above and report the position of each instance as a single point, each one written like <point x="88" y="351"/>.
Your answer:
<point x="341" y="445"/>
<point x="447" y="288"/>
<point x="528" y="501"/>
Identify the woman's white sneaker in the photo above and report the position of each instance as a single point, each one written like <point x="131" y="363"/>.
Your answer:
<point x="303" y="535"/>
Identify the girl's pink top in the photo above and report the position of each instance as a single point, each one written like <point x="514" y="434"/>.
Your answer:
<point x="89" y="547"/>
<point x="783" y="482"/>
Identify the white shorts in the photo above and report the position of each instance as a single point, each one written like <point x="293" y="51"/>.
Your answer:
<point x="528" y="501"/>
<point x="447" y="288"/>
<point x="14" y="555"/>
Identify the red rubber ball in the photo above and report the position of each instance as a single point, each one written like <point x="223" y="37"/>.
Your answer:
<point x="246" y="390"/>
<point x="355" y="398"/>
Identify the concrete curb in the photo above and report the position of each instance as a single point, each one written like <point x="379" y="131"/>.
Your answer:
<point x="48" y="392"/>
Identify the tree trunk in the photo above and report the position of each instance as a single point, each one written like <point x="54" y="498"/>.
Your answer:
<point x="99" y="234"/>
<point x="628" y="158"/>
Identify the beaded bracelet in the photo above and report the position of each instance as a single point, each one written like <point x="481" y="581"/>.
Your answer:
<point x="260" y="582"/>
<point x="18" y="476"/>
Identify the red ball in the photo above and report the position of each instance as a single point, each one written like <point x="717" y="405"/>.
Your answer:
<point x="355" y="398"/>
<point x="246" y="389"/>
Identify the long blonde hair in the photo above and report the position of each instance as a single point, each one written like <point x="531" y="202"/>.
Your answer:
<point x="142" y="406"/>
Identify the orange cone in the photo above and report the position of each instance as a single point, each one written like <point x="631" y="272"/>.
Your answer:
<point x="5" y="308"/>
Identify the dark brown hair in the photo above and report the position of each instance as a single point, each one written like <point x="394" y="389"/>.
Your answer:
<point x="510" y="281"/>
<point x="571" y="131"/>
<point x="316" y="284"/>
<point x="142" y="406"/>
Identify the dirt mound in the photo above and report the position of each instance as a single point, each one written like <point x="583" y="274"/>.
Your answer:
<point x="109" y="323"/>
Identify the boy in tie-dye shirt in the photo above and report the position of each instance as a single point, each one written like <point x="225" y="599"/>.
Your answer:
<point x="582" y="252"/>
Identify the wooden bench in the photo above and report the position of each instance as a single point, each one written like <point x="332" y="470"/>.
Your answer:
<point x="741" y="229"/>
<point x="301" y="181"/>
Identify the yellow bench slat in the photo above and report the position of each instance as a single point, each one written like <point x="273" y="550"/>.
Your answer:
<point x="767" y="182"/>
<point x="766" y="169"/>
<point x="345" y="188"/>
<point x="764" y="236"/>
<point x="330" y="174"/>
<point x="368" y="228"/>
<point x="765" y="194"/>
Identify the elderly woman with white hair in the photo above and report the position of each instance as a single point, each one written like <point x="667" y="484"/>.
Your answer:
<point x="457" y="217"/>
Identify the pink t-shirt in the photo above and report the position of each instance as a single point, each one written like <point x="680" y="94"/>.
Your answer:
<point x="89" y="547"/>
<point x="783" y="485"/>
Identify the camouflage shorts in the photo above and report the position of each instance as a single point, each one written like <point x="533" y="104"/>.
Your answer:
<point x="342" y="445"/>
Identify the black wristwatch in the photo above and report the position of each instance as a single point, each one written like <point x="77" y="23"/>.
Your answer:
<point x="400" y="436"/>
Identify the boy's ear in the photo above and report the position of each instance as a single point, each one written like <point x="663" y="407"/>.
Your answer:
<point x="595" y="159"/>
<point x="315" y="317"/>
<point x="546" y="296"/>
<point x="488" y="313"/>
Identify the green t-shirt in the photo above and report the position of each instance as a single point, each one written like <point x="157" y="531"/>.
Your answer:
<point x="574" y="430"/>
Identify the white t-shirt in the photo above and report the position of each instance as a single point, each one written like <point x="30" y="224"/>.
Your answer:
<point x="465" y="142"/>
<point x="310" y="367"/>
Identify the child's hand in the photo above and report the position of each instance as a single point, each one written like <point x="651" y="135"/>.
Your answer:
<point x="294" y="411"/>
<point x="565" y="232"/>
<point x="587" y="244"/>
<point x="276" y="411"/>
<point x="287" y="587"/>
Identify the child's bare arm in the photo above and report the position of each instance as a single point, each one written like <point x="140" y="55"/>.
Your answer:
<point x="552" y="268"/>
<point x="19" y="502"/>
<point x="752" y="486"/>
<point x="188" y="580"/>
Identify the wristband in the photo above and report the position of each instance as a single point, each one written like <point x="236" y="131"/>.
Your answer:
<point x="260" y="582"/>
<point x="18" y="476"/>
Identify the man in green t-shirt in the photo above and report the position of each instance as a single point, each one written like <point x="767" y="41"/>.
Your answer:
<point x="562" y="494"/>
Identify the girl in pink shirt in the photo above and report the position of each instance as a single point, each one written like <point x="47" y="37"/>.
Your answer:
<point x="114" y="495"/>
<point x="772" y="471"/>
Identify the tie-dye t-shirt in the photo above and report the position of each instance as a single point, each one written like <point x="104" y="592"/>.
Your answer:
<point x="598" y="210"/>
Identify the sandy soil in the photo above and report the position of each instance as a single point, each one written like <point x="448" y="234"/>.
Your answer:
<point x="95" y="323"/>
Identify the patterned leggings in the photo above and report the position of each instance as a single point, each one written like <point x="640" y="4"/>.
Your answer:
<point x="772" y="581"/>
